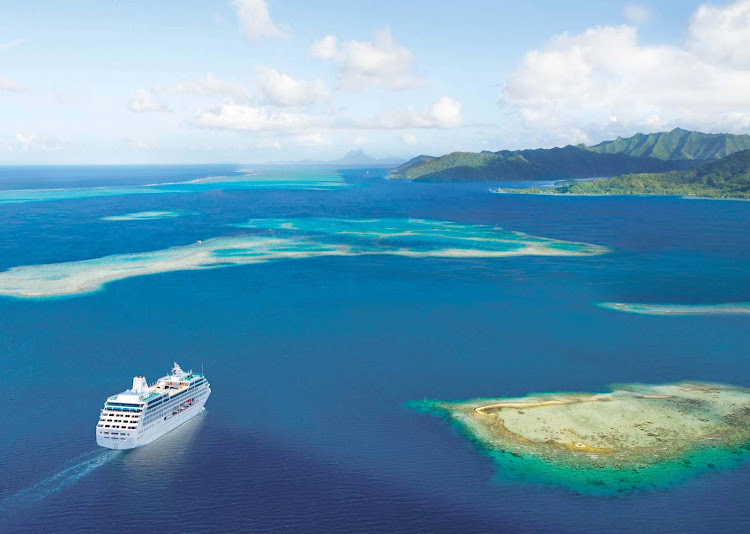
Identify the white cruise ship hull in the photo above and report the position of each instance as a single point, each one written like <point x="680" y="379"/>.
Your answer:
<point x="131" y="439"/>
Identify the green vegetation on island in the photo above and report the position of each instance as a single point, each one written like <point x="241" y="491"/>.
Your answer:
<point x="636" y="437"/>
<point x="728" y="177"/>
<point x="539" y="164"/>
<point x="653" y="153"/>
<point x="676" y="145"/>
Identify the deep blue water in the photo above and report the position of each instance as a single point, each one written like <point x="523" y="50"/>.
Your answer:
<point x="311" y="361"/>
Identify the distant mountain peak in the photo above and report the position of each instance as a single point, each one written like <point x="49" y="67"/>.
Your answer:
<point x="357" y="152"/>
<point x="358" y="156"/>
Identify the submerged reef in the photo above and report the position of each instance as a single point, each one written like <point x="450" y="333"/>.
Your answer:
<point x="636" y="437"/>
<point x="732" y="308"/>
<point x="284" y="239"/>
<point x="143" y="216"/>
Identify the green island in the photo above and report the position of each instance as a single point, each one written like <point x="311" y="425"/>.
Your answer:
<point x="636" y="437"/>
<point x="676" y="150"/>
<point x="728" y="177"/>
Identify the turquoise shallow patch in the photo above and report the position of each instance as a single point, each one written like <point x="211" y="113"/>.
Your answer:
<point x="275" y="179"/>
<point x="419" y="235"/>
<point x="637" y="437"/>
<point x="284" y="239"/>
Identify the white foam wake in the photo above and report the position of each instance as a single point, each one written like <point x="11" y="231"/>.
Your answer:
<point x="143" y="216"/>
<point x="730" y="308"/>
<point x="55" y="483"/>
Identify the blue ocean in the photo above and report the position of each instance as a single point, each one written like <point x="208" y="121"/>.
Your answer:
<point x="314" y="346"/>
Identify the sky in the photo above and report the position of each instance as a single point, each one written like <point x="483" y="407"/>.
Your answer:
<point x="254" y="81"/>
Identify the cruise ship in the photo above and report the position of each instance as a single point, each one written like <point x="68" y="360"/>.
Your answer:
<point x="139" y="415"/>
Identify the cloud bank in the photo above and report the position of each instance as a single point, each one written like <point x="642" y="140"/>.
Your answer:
<point x="279" y="89"/>
<point x="606" y="80"/>
<point x="443" y="114"/>
<point x="251" y="118"/>
<point x="208" y="86"/>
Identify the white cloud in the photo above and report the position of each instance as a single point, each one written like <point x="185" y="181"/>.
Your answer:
<point x="380" y="63"/>
<point x="313" y="139"/>
<point x="280" y="89"/>
<point x="29" y="142"/>
<point x="636" y="13"/>
<point x="255" y="20"/>
<point x="409" y="139"/>
<point x="325" y="48"/>
<point x="142" y="102"/>
<point x="269" y="143"/>
<point x="11" y="86"/>
<point x="208" y="86"/>
<point x="137" y="143"/>
<point x="11" y="44"/>
<point x="576" y="83"/>
<point x="444" y="114"/>
<point x="722" y="33"/>
<point x="251" y="118"/>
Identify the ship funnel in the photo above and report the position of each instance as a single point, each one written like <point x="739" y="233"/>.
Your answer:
<point x="139" y="384"/>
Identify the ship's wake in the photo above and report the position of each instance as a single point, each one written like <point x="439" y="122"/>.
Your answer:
<point x="68" y="476"/>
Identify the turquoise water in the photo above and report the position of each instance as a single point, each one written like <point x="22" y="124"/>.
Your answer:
<point x="312" y="360"/>
<point x="276" y="179"/>
<point x="284" y="240"/>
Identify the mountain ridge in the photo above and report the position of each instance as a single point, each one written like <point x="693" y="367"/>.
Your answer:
<point x="642" y="153"/>
<point x="677" y="144"/>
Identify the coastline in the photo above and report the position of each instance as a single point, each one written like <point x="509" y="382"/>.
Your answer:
<point x="556" y="193"/>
